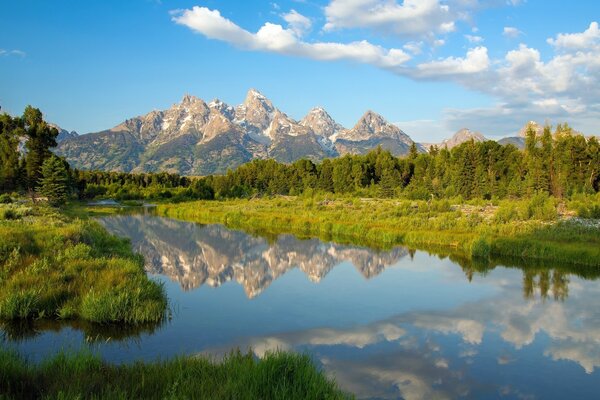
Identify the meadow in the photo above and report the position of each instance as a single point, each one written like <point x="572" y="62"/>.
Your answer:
<point x="238" y="376"/>
<point x="61" y="267"/>
<point x="535" y="228"/>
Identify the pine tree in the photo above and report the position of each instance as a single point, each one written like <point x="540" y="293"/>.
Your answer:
<point x="413" y="152"/>
<point x="54" y="183"/>
<point x="40" y="138"/>
<point x="9" y="152"/>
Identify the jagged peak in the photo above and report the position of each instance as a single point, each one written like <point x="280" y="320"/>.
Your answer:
<point x="371" y="120"/>
<point x="254" y="95"/>
<point x="466" y="132"/>
<point x="318" y="110"/>
<point x="216" y="103"/>
<point x="190" y="99"/>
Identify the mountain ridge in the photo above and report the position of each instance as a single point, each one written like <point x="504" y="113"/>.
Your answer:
<point x="193" y="137"/>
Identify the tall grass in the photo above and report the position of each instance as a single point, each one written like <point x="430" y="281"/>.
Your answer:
<point x="239" y="376"/>
<point x="529" y="229"/>
<point x="54" y="266"/>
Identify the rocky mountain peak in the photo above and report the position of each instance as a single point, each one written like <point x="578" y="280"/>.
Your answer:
<point x="321" y="123"/>
<point x="63" y="134"/>
<point x="255" y="115"/>
<point x="539" y="130"/>
<point x="461" y="136"/>
<point x="282" y="125"/>
<point x="222" y="108"/>
<point x="371" y="122"/>
<point x="188" y="100"/>
<point x="256" y="99"/>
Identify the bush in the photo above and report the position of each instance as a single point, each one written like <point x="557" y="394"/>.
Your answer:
<point x="10" y="214"/>
<point x="5" y="199"/>
<point x="591" y="211"/>
<point x="542" y="207"/>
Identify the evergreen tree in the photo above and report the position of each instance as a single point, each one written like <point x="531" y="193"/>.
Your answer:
<point x="54" y="182"/>
<point x="9" y="152"/>
<point x="413" y="152"/>
<point x="40" y="138"/>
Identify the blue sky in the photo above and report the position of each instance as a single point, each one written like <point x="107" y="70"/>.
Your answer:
<point x="431" y="66"/>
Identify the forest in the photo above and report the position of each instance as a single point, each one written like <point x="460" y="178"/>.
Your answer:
<point x="560" y="162"/>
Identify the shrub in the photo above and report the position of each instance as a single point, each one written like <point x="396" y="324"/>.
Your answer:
<point x="10" y="214"/>
<point x="541" y="206"/>
<point x="5" y="198"/>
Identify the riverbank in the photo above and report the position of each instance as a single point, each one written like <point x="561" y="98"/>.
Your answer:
<point x="526" y="229"/>
<point x="238" y="376"/>
<point x="61" y="267"/>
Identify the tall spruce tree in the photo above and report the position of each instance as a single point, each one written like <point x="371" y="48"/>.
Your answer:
<point x="9" y="152"/>
<point x="40" y="138"/>
<point x="54" y="182"/>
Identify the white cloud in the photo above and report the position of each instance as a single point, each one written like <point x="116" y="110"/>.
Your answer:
<point x="474" y="38"/>
<point x="511" y="32"/>
<point x="414" y="47"/>
<point x="526" y="86"/>
<point x="590" y="38"/>
<point x="474" y="62"/>
<point x="274" y="38"/>
<point x="7" y="53"/>
<point x="410" y="18"/>
<point x="297" y="22"/>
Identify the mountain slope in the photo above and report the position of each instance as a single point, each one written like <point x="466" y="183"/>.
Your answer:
<point x="196" y="138"/>
<point x="371" y="131"/>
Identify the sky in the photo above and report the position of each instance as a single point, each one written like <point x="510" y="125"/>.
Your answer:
<point x="430" y="66"/>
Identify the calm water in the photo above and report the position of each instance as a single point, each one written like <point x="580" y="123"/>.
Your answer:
<point x="386" y="324"/>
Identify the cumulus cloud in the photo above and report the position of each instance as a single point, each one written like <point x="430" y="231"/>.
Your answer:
<point x="561" y="87"/>
<point x="409" y="18"/>
<point x="297" y="22"/>
<point x="474" y="62"/>
<point x="590" y="38"/>
<point x="275" y="38"/>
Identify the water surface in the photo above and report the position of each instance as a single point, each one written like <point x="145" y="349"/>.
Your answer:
<point x="386" y="324"/>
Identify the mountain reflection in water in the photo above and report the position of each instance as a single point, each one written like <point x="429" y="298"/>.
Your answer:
<point x="196" y="255"/>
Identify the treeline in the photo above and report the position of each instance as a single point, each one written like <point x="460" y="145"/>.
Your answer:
<point x="560" y="163"/>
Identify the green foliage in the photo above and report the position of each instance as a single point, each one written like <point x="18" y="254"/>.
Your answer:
<point x="57" y="267"/>
<point x="54" y="183"/>
<point x="238" y="376"/>
<point x="5" y="198"/>
<point x="542" y="207"/>
<point x="40" y="138"/>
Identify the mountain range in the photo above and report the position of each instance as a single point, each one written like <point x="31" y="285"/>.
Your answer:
<point x="197" y="138"/>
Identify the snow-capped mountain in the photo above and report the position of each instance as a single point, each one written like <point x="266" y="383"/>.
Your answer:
<point x="371" y="131"/>
<point x="196" y="138"/>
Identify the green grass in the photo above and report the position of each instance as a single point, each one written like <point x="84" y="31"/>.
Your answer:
<point x="533" y="231"/>
<point x="61" y="267"/>
<point x="239" y="376"/>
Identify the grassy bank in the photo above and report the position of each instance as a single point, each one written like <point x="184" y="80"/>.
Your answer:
<point x="60" y="267"/>
<point x="529" y="229"/>
<point x="83" y="376"/>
